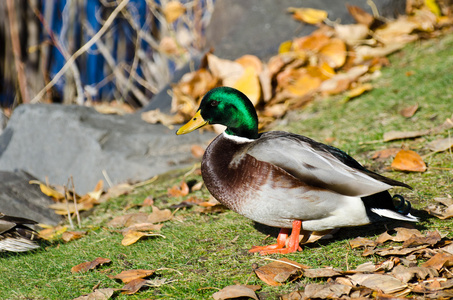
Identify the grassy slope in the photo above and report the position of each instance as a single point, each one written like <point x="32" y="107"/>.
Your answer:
<point x="204" y="252"/>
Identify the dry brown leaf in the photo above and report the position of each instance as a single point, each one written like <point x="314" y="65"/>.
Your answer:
<point x="365" y="52"/>
<point x="361" y="16"/>
<point x="351" y="34"/>
<point x="144" y="227"/>
<point x="431" y="239"/>
<point x="408" y="161"/>
<point x="134" y="286"/>
<point x="443" y="210"/>
<point x="235" y="291"/>
<point x="361" y="242"/>
<point x="379" y="282"/>
<point x="333" y="53"/>
<point x="409" y="111"/>
<point x="179" y="191"/>
<point x="69" y="236"/>
<point x="313" y="42"/>
<point x="129" y="275"/>
<point x="308" y="15"/>
<point x="156" y="116"/>
<point x="98" y="294"/>
<point x="385" y="153"/>
<point x="439" y="261"/>
<point x="90" y="265"/>
<point x="397" y="32"/>
<point x="115" y="191"/>
<point x="407" y="274"/>
<point x="113" y="108"/>
<point x="173" y="10"/>
<point x="227" y="70"/>
<point x="321" y="272"/>
<point x="62" y="208"/>
<point x="159" y="215"/>
<point x="325" y="291"/>
<point x="249" y="84"/>
<point x="440" y="145"/>
<point x="279" y="271"/>
<point x="340" y="82"/>
<point x="51" y="232"/>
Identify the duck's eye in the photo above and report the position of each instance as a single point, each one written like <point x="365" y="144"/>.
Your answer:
<point x="214" y="103"/>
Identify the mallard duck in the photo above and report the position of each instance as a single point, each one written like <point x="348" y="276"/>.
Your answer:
<point x="15" y="236"/>
<point x="286" y="180"/>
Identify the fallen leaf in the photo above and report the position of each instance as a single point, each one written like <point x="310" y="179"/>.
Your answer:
<point x="197" y="151"/>
<point x="90" y="265"/>
<point x="156" y="116"/>
<point x="408" y="160"/>
<point x="440" y="145"/>
<point x="98" y="294"/>
<point x="131" y="237"/>
<point x="321" y="272"/>
<point x="409" y="111"/>
<point x="235" y="291"/>
<point x="47" y="190"/>
<point x="361" y="16"/>
<point x="351" y="34"/>
<point x="431" y="239"/>
<point x="385" y="153"/>
<point x="129" y="275"/>
<point x="159" y="215"/>
<point x="144" y="227"/>
<point x="179" y="191"/>
<point x="277" y="272"/>
<point x="304" y="85"/>
<point x="116" y="191"/>
<point x="397" y="135"/>
<point x="62" y="208"/>
<point x="379" y="282"/>
<point x="173" y="10"/>
<point x="407" y="274"/>
<point x="52" y="232"/>
<point x="249" y="84"/>
<point x="69" y="236"/>
<point x="340" y="82"/>
<point x="439" y="261"/>
<point x="250" y="61"/>
<point x="308" y="15"/>
<point x="359" y="90"/>
<point x="326" y="291"/>
<point x="361" y="242"/>
<point x="133" y="286"/>
<point x="227" y="70"/>
<point x="333" y="53"/>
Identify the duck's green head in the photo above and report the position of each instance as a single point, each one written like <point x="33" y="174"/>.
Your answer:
<point x="226" y="106"/>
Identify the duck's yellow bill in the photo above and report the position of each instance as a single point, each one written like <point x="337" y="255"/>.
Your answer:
<point x="196" y="122"/>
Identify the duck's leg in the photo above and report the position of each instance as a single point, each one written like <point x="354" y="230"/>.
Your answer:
<point x="293" y="242"/>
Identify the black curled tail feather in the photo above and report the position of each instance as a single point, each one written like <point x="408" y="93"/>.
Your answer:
<point x="403" y="207"/>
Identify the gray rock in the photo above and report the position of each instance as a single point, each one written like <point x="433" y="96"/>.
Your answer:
<point x="258" y="27"/>
<point x="57" y="141"/>
<point x="18" y="198"/>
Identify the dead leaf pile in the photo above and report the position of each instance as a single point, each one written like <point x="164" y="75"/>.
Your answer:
<point x="420" y="265"/>
<point x="331" y="60"/>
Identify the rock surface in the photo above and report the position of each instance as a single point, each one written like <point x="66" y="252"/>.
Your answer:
<point x="18" y="198"/>
<point x="57" y="141"/>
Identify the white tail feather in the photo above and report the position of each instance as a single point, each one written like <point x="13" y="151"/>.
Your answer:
<point x="394" y="215"/>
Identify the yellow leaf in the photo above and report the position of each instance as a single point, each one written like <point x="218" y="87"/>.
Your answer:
<point x="132" y="237"/>
<point x="433" y="7"/>
<point x="250" y="61"/>
<point x="359" y="90"/>
<point x="285" y="47"/>
<point x="308" y="15"/>
<point x="173" y="10"/>
<point x="51" y="192"/>
<point x="249" y="84"/>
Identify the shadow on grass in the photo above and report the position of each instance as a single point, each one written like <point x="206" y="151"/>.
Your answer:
<point x="349" y="233"/>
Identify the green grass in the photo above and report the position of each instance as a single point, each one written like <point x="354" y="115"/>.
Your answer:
<point x="205" y="252"/>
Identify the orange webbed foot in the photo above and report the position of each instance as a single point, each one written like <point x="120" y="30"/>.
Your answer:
<point x="280" y="247"/>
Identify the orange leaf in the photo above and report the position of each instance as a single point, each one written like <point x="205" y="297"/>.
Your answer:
<point x="129" y="275"/>
<point x="308" y="15"/>
<point x="178" y="191"/>
<point x="250" y="61"/>
<point x="313" y="42"/>
<point x="304" y="85"/>
<point x="133" y="286"/>
<point x="89" y="265"/>
<point x="249" y="84"/>
<point x="334" y="53"/>
<point x="408" y="160"/>
<point x="361" y="16"/>
<point x="72" y="235"/>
